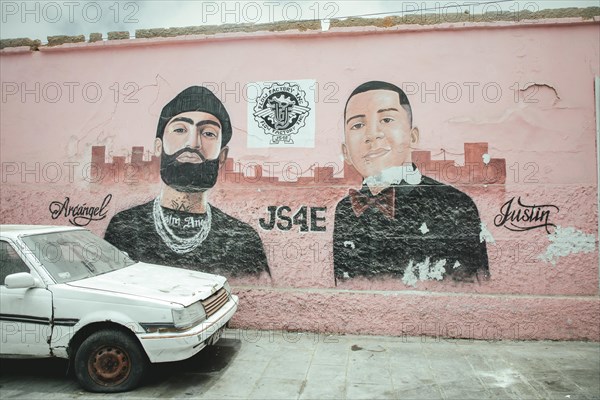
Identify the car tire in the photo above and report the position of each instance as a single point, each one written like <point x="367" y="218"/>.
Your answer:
<point x="110" y="361"/>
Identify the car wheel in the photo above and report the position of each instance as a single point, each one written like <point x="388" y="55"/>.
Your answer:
<point x="110" y="361"/>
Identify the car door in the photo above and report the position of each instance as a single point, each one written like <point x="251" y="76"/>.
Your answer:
<point x="24" y="313"/>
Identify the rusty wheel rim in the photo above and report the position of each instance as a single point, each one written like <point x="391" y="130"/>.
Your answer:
<point x="109" y="365"/>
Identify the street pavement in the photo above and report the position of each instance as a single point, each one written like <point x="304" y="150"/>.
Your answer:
<point x="248" y="364"/>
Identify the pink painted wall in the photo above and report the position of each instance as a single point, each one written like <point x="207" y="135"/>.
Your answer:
<point x="545" y="134"/>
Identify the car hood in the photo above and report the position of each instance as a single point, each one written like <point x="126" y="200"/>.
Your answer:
<point x="156" y="282"/>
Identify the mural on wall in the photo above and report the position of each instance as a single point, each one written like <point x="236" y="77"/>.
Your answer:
<point x="400" y="222"/>
<point x="180" y="227"/>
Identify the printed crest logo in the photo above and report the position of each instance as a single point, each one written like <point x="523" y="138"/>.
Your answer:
<point x="281" y="110"/>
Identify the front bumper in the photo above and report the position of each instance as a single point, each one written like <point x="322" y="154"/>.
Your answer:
<point x="166" y="347"/>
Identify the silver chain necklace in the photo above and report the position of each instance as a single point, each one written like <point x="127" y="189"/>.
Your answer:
<point x="178" y="244"/>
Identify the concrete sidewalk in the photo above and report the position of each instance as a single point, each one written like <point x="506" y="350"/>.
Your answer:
<point x="281" y="365"/>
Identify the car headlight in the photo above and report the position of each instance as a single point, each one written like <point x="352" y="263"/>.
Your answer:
<point x="185" y="318"/>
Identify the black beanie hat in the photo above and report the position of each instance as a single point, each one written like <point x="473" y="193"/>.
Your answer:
<point x="196" y="98"/>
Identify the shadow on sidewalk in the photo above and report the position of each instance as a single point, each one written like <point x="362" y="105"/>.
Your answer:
<point x="54" y="373"/>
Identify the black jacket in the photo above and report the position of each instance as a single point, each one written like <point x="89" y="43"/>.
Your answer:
<point x="374" y="244"/>
<point x="232" y="247"/>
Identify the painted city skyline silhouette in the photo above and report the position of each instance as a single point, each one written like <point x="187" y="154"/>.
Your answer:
<point x="142" y="167"/>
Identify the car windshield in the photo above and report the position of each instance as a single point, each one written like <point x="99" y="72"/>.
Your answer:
<point x="77" y="254"/>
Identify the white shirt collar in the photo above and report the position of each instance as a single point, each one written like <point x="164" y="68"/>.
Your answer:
<point x="394" y="176"/>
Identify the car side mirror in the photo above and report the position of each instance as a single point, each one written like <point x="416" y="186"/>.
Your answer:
<point x="20" y="280"/>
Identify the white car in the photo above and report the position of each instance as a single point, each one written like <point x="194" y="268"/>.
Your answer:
<point x="64" y="292"/>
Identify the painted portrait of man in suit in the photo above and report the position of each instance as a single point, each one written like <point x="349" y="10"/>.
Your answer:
<point x="400" y="222"/>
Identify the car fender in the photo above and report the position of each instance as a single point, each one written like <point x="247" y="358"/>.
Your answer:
<point x="62" y="335"/>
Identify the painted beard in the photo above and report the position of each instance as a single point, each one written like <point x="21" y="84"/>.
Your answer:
<point x="188" y="177"/>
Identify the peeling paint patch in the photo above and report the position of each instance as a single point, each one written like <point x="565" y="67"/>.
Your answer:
<point x="395" y="176"/>
<point x="423" y="268"/>
<point x="409" y="277"/>
<point x="485" y="234"/>
<point x="530" y="92"/>
<point x="437" y="272"/>
<point x="426" y="271"/>
<point x="565" y="241"/>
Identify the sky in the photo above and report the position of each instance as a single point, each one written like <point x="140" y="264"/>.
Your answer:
<point x="39" y="19"/>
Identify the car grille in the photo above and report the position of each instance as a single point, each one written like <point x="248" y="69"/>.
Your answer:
<point x="215" y="302"/>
